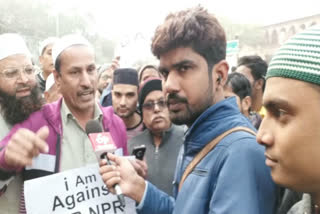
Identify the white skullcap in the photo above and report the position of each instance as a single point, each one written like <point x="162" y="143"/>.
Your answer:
<point x="49" y="82"/>
<point x="11" y="44"/>
<point x="66" y="42"/>
<point x="46" y="42"/>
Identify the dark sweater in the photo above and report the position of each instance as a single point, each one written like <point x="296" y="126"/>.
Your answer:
<point x="162" y="160"/>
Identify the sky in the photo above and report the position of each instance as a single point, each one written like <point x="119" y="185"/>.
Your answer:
<point x="120" y="17"/>
<point x="132" y="23"/>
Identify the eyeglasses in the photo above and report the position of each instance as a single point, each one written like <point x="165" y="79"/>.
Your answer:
<point x="14" y="73"/>
<point x="151" y="105"/>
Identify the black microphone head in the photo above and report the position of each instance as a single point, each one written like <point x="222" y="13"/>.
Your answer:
<point x="93" y="126"/>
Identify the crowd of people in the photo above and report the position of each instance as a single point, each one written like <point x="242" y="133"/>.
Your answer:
<point x="216" y="142"/>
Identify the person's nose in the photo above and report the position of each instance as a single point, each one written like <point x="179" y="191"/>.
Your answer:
<point x="156" y="108"/>
<point x="264" y="135"/>
<point x="23" y="77"/>
<point x="171" y="84"/>
<point x="86" y="80"/>
<point x="122" y="101"/>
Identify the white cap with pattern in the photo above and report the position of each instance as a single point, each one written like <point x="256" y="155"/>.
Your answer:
<point x="11" y="44"/>
<point x="66" y="42"/>
<point x="298" y="58"/>
<point x="46" y="42"/>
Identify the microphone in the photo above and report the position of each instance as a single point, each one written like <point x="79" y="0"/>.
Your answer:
<point x="103" y="143"/>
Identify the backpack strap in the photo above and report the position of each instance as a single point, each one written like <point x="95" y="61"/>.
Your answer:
<point x="207" y="149"/>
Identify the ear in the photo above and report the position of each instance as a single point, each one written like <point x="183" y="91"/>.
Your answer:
<point x="57" y="77"/>
<point x="220" y="73"/>
<point x="258" y="84"/>
<point x="40" y="60"/>
<point x="246" y="105"/>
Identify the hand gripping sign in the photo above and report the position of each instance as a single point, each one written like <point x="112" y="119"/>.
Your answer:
<point x="76" y="191"/>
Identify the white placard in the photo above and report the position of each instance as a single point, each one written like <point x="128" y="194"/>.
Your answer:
<point x="76" y="191"/>
<point x="43" y="162"/>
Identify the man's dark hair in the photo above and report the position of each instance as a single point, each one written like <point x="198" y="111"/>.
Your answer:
<point x="257" y="66"/>
<point x="239" y="84"/>
<point x="194" y="28"/>
<point x="57" y="64"/>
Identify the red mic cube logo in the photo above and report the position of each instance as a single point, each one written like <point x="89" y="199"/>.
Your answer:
<point x="102" y="141"/>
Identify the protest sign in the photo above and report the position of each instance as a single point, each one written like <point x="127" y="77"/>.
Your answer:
<point x="76" y="191"/>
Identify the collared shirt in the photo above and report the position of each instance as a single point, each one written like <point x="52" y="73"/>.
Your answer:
<point x="303" y="207"/>
<point x="76" y="149"/>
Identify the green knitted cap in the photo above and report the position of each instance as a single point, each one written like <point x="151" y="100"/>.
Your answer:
<point x="298" y="58"/>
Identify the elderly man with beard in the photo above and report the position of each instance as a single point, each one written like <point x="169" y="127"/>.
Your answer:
<point x="161" y="138"/>
<point x="221" y="168"/>
<point x="58" y="129"/>
<point x="19" y="97"/>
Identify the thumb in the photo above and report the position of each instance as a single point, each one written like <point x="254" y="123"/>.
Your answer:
<point x="43" y="132"/>
<point x="118" y="160"/>
<point x="41" y="136"/>
<point x="111" y="157"/>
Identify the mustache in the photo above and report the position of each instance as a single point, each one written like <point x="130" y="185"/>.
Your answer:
<point x="85" y="91"/>
<point x="123" y="108"/>
<point x="23" y="86"/>
<point x="158" y="117"/>
<point x="176" y="98"/>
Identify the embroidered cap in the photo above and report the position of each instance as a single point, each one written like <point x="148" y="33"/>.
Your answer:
<point x="66" y="42"/>
<point x="125" y="76"/>
<point x="298" y="58"/>
<point x="12" y="44"/>
<point x="45" y="43"/>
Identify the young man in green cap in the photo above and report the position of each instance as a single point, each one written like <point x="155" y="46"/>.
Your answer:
<point x="290" y="129"/>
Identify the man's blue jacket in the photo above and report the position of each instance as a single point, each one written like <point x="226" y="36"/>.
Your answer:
<point x="231" y="179"/>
